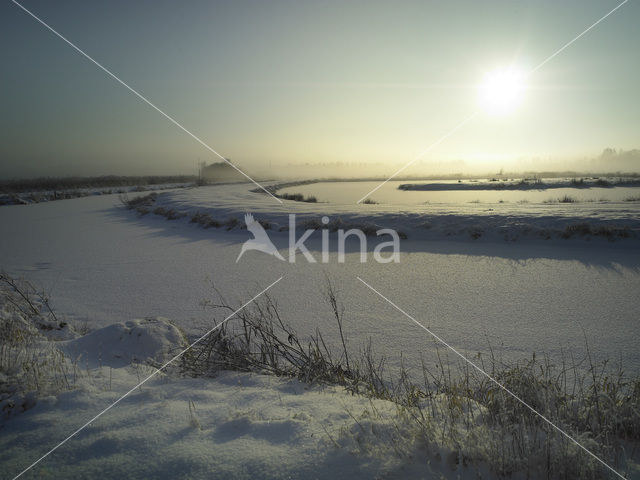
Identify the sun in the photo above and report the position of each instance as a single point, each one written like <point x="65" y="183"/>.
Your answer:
<point x="501" y="91"/>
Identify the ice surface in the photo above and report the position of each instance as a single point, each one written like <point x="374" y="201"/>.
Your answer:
<point x="104" y="265"/>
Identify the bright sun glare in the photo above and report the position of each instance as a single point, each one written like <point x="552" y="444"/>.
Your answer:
<point x="501" y="91"/>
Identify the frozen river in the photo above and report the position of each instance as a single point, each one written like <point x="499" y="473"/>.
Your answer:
<point x="103" y="264"/>
<point x="452" y="192"/>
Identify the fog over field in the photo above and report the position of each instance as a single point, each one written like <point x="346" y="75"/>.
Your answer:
<point x="609" y="161"/>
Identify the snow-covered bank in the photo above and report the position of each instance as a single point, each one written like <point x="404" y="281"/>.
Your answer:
<point x="237" y="426"/>
<point x="39" y="196"/>
<point x="448" y="192"/>
<point x="493" y="222"/>
<point x="243" y="425"/>
<point x="524" y="184"/>
<point x="103" y="264"/>
<point x="120" y="344"/>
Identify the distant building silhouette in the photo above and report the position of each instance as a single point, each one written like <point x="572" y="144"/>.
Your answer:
<point x="221" y="172"/>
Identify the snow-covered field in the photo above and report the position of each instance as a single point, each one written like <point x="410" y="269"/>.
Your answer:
<point x="238" y="425"/>
<point x="37" y="196"/>
<point x="103" y="264"/>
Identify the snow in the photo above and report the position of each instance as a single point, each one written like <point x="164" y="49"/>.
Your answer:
<point x="441" y="221"/>
<point x="106" y="266"/>
<point x="239" y="426"/>
<point x="522" y="184"/>
<point x="37" y="196"/>
<point x="450" y="192"/>
<point x="102" y="264"/>
<point x="234" y="425"/>
<point x="123" y="343"/>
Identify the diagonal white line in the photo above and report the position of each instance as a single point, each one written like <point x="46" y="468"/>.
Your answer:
<point x="158" y="370"/>
<point x="550" y="57"/>
<point x="489" y="377"/>
<point x="143" y="98"/>
<point x="470" y="117"/>
<point x="424" y="152"/>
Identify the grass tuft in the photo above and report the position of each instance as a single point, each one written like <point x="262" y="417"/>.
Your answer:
<point x="298" y="197"/>
<point x="456" y="409"/>
<point x="29" y="366"/>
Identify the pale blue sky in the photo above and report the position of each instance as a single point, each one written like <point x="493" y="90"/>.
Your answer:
<point x="280" y="82"/>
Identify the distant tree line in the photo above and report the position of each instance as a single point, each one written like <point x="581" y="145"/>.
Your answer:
<point x="70" y="183"/>
<point x="221" y="172"/>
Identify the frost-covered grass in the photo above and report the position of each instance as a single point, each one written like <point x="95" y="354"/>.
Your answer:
<point x="447" y="420"/>
<point x="563" y="199"/>
<point x="143" y="205"/>
<point x="567" y="230"/>
<point x="30" y="365"/>
<point x="586" y="230"/>
<point x="508" y="221"/>
<point x="455" y="409"/>
<point x="298" y="197"/>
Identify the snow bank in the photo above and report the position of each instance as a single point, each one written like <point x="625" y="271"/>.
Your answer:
<point x="523" y="184"/>
<point x="39" y="196"/>
<point x="243" y="425"/>
<point x="236" y="426"/>
<point x="141" y="341"/>
<point x="225" y="205"/>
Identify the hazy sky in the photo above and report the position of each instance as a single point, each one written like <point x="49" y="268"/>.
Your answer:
<point x="276" y="82"/>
